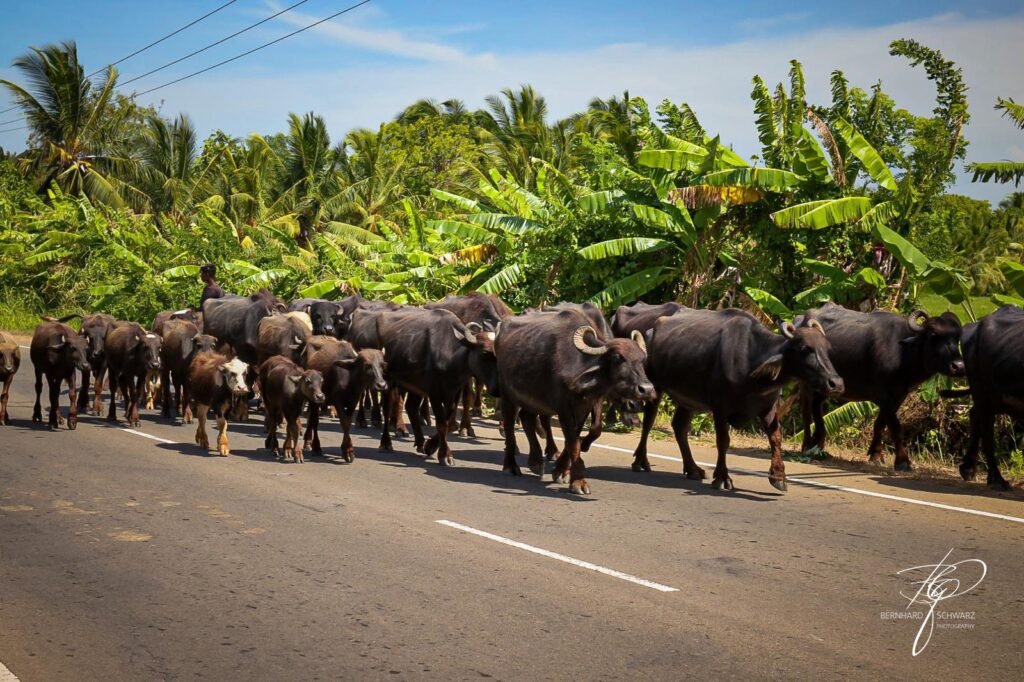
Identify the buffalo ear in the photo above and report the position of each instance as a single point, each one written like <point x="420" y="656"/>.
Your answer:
<point x="61" y="341"/>
<point x="295" y="377"/>
<point x="769" y="369"/>
<point x="586" y="381"/>
<point x="187" y="346"/>
<point x="346" y="363"/>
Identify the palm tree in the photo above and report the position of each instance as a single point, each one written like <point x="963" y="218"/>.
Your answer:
<point x="450" y="109"/>
<point x="169" y="152"/>
<point x="515" y="132"/>
<point x="373" y="188"/>
<point x="309" y="172"/>
<point x="64" y="109"/>
<point x="1002" y="171"/>
<point x="614" y="120"/>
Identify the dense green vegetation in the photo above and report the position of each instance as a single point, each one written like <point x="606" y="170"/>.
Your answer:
<point x="114" y="206"/>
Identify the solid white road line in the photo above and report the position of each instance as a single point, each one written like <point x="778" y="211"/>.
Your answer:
<point x="146" y="435"/>
<point x="561" y="557"/>
<point x="797" y="478"/>
<point x="6" y="675"/>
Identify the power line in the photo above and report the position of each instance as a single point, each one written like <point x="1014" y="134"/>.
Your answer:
<point x="255" y="49"/>
<point x="169" y="35"/>
<point x="143" y="49"/>
<point x="11" y="130"/>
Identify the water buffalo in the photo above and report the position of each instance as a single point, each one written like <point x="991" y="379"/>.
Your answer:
<point x="215" y="381"/>
<point x="326" y="316"/>
<point x="235" y="320"/>
<point x="283" y="335"/>
<point x="58" y="352"/>
<point x="993" y="351"/>
<point x="10" y="361"/>
<point x="181" y="341"/>
<point x="727" y="363"/>
<point x="95" y="328"/>
<point x="432" y="354"/>
<point x="132" y="355"/>
<point x="187" y="314"/>
<point x="882" y="357"/>
<point x="554" y="363"/>
<point x="348" y="374"/>
<point x="641" y="317"/>
<point x="286" y="388"/>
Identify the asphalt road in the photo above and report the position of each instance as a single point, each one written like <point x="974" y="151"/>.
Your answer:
<point x="128" y="558"/>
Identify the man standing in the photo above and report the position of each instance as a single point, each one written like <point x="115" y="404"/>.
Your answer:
<point x="208" y="274"/>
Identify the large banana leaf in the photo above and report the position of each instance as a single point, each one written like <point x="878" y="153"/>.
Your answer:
<point x="505" y="279"/>
<point x="501" y="221"/>
<point x="998" y="171"/>
<point x="902" y="250"/>
<point x="1014" y="274"/>
<point x="845" y="415"/>
<point x="181" y="271"/>
<point x="670" y="218"/>
<point x="630" y="288"/>
<point x="816" y="215"/>
<point x="826" y="270"/>
<point x="1011" y="110"/>
<point x="671" y="159"/>
<point x="462" y="202"/>
<point x="601" y="202"/>
<point x="763" y="178"/>
<point x="467" y="231"/>
<point x="1003" y="299"/>
<point x="862" y="149"/>
<point x="810" y="157"/>
<point x="623" y="246"/>
<point x="320" y="289"/>
<point x="352" y="232"/>
<point x="769" y="305"/>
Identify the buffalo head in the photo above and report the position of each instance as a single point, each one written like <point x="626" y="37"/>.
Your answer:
<point x="620" y="365"/>
<point x="234" y="376"/>
<point x="938" y="340"/>
<point x="804" y="356"/>
<point x="150" y="346"/>
<point x="310" y="384"/>
<point x="483" y="364"/>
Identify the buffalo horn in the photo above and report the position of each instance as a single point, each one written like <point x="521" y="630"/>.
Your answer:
<point x="916" y="320"/>
<point x="639" y="338"/>
<point x="787" y="329"/>
<point x="580" y="342"/>
<point x="814" y="324"/>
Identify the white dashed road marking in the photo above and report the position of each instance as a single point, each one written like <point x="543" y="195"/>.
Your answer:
<point x="560" y="557"/>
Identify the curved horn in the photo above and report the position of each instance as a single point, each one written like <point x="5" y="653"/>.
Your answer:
<point x="580" y="342"/>
<point x="787" y="329"/>
<point x="814" y="324"/>
<point x="916" y="320"/>
<point x="467" y="335"/>
<point x="639" y="339"/>
<point x="474" y="327"/>
<point x="298" y="340"/>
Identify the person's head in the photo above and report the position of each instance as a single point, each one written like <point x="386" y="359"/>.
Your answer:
<point x="208" y="273"/>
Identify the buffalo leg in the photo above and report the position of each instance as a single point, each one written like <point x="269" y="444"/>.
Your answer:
<point x="397" y="405"/>
<point x="807" y="415"/>
<point x="83" y="396"/>
<point x="596" y="419"/>
<point x="508" y="417"/>
<point x="722" y="480"/>
<point x="294" y="427"/>
<point x="348" y="451"/>
<point x="112" y="410"/>
<point x="570" y="462"/>
<point x="443" y="410"/>
<point x="375" y="413"/>
<point x="37" y="410"/>
<point x="478" y="399"/>
<point x="222" y="432"/>
<point x="361" y="410"/>
<point x="466" y="426"/>
<point x="640" y="462"/>
<point x="73" y="407"/>
<point x="536" y="459"/>
<point x="969" y="465"/>
<point x="988" y="443"/>
<point x="186" y="401"/>
<point x="202" y="440"/>
<point x="902" y="462"/>
<point x="541" y="424"/>
<point x="311" y="439"/>
<point x="876" y="452"/>
<point x="54" y="386"/>
<point x="412" y="407"/>
<point x="4" y="417"/>
<point x="681" y="422"/>
<point x="97" y="405"/>
<point x="140" y="386"/>
<point x="165" y="399"/>
<point x="270" y="421"/>
<point x="777" y="470"/>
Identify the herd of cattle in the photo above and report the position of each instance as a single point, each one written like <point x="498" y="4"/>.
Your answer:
<point x="564" y="361"/>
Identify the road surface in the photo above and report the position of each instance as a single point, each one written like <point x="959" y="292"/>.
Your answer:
<point x="132" y="555"/>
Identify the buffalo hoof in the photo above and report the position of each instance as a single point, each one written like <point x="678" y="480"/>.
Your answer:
<point x="724" y="483"/>
<point x="54" y="427"/>
<point x="559" y="476"/>
<point x="876" y="459"/>
<point x="349" y="455"/>
<point x="997" y="481"/>
<point x="696" y="474"/>
<point x="968" y="473"/>
<point x="385" y="447"/>
<point x="448" y="461"/>
<point x="579" y="487"/>
<point x="72" y="424"/>
<point x="778" y="483"/>
<point x="512" y="471"/>
<point x="430" y="447"/>
<point x="537" y="468"/>
<point x="37" y="418"/>
<point x="903" y="465"/>
<point x="641" y="465"/>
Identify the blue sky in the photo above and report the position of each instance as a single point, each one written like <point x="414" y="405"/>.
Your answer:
<point x="364" y="67"/>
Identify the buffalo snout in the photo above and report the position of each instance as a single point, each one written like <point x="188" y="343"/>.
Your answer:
<point x="956" y="368"/>
<point x="645" y="391"/>
<point x="835" y="385"/>
<point x="380" y="385"/>
<point x="319" y="398"/>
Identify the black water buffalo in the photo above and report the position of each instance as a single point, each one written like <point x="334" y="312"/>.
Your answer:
<point x="553" y="363"/>
<point x="432" y="354"/>
<point x="161" y="318"/>
<point x="641" y="317"/>
<point x="235" y="320"/>
<point x="727" y="363"/>
<point x="348" y="374"/>
<point x="215" y="381"/>
<point x="993" y="351"/>
<point x="181" y="342"/>
<point x="132" y="355"/>
<point x="362" y="334"/>
<point x="58" y="352"/>
<point x="284" y="335"/>
<point x="487" y="311"/>
<point x="95" y="328"/>
<point x="882" y="357"/>
<point x="325" y="316"/>
<point x="286" y="388"/>
<point x="10" y="361"/>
